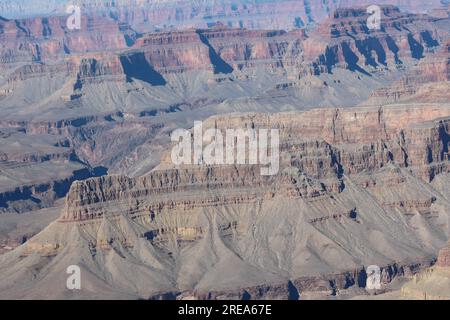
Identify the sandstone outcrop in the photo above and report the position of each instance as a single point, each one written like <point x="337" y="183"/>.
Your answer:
<point x="428" y="81"/>
<point x="402" y="38"/>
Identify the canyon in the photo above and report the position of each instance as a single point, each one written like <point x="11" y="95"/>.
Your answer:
<point x="150" y="15"/>
<point x="86" y="176"/>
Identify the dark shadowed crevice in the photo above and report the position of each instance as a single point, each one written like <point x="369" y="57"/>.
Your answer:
<point x="298" y="22"/>
<point x="308" y="11"/>
<point x="392" y="46"/>
<point x="362" y="278"/>
<point x="78" y="84"/>
<point x="331" y="58"/>
<point x="219" y="65"/>
<point x="100" y="171"/>
<point x="66" y="48"/>
<point x="352" y="60"/>
<point x="19" y="26"/>
<point x="428" y="39"/>
<point x="37" y="56"/>
<point x="416" y="48"/>
<point x="246" y="295"/>
<point x="445" y="138"/>
<point x="367" y="46"/>
<point x="129" y="40"/>
<point x="46" y="30"/>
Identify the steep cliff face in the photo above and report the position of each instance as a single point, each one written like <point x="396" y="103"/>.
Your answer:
<point x="149" y="14"/>
<point x="345" y="40"/>
<point x="172" y="52"/>
<point x="220" y="50"/>
<point x="428" y="81"/>
<point x="66" y="84"/>
<point x="227" y="231"/>
<point x="342" y="39"/>
<point x="327" y="151"/>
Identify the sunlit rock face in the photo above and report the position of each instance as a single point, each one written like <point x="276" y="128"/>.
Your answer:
<point x="149" y="14"/>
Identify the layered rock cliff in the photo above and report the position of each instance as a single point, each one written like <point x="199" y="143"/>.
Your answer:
<point x="345" y="40"/>
<point x="149" y="14"/>
<point x="353" y="190"/>
<point x="66" y="84"/>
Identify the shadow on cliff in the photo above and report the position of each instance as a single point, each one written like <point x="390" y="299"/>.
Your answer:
<point x="136" y="66"/>
<point x="219" y="65"/>
<point x="352" y="60"/>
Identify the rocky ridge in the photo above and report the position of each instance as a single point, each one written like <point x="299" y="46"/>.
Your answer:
<point x="183" y="227"/>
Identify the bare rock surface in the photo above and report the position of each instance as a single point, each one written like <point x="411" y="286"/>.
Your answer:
<point x="432" y="283"/>
<point x="152" y="14"/>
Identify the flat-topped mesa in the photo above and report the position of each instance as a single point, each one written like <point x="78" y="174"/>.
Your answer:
<point x="316" y="148"/>
<point x="367" y="138"/>
<point x="353" y="21"/>
<point x="223" y="49"/>
<point x="250" y="48"/>
<point x="96" y="68"/>
<point x="342" y="41"/>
